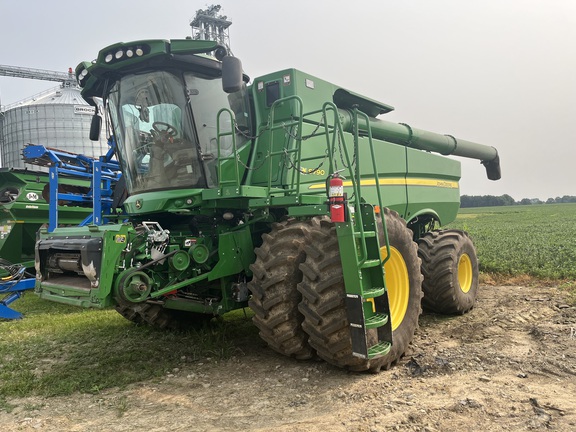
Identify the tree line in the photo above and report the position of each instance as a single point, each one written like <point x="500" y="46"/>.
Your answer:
<point x="507" y="200"/>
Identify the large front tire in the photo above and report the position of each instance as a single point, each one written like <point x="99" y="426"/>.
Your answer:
<point x="275" y="297"/>
<point x="323" y="292"/>
<point x="450" y="269"/>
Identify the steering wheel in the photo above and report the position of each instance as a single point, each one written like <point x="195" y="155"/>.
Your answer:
<point x="164" y="128"/>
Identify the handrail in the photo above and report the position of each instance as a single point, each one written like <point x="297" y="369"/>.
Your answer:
<point x="234" y="155"/>
<point x="375" y="169"/>
<point x="298" y="138"/>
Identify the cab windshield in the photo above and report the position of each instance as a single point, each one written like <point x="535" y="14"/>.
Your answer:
<point x="165" y="128"/>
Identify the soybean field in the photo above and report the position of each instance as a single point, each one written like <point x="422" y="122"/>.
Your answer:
<point x="534" y="240"/>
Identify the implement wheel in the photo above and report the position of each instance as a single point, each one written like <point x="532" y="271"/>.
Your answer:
<point x="450" y="269"/>
<point x="323" y="291"/>
<point x="275" y="298"/>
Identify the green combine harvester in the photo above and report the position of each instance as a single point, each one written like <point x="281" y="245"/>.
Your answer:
<point x="285" y="194"/>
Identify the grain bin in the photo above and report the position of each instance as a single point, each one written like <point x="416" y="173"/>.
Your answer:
<point x="57" y="118"/>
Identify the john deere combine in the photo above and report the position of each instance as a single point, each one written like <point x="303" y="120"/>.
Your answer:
<point x="285" y="194"/>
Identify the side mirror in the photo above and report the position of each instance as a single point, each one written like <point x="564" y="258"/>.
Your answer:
<point x="95" y="127"/>
<point x="231" y="74"/>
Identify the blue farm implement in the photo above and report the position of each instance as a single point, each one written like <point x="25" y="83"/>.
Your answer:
<point x="76" y="191"/>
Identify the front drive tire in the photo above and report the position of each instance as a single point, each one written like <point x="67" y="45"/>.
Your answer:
<point x="275" y="299"/>
<point x="323" y="295"/>
<point x="450" y="269"/>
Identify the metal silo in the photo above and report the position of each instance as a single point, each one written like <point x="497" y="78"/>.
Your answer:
<point x="58" y="118"/>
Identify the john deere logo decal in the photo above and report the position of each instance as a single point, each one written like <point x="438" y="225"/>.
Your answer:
<point x="32" y="196"/>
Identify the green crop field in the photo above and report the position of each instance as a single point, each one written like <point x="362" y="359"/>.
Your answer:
<point x="535" y="240"/>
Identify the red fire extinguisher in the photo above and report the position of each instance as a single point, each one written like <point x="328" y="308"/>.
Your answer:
<point x="336" y="198"/>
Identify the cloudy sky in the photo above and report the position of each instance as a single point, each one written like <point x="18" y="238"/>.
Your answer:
<point x="496" y="72"/>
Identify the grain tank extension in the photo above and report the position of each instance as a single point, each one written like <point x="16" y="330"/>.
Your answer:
<point x="283" y="193"/>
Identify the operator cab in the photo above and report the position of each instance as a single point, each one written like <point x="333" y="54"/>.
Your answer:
<point x="165" y="126"/>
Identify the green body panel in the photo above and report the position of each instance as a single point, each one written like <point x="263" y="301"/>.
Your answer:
<point x="400" y="168"/>
<point x="236" y="253"/>
<point x="432" y="192"/>
<point x="154" y="202"/>
<point x="265" y="153"/>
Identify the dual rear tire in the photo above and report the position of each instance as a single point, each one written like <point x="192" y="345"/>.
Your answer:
<point x="323" y="292"/>
<point x="298" y="292"/>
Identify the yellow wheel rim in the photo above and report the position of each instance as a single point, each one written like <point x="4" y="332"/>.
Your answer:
<point x="465" y="273"/>
<point x="398" y="285"/>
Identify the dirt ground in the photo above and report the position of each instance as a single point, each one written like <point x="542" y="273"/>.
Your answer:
<point x="508" y="365"/>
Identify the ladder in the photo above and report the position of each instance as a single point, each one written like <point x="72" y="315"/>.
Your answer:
<point x="367" y="302"/>
<point x="366" y="297"/>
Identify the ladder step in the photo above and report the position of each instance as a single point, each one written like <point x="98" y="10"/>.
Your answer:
<point x="373" y="292"/>
<point x="377" y="320"/>
<point x="367" y="234"/>
<point x="380" y="349"/>
<point x="371" y="263"/>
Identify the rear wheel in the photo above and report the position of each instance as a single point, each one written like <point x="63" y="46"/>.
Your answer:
<point x="323" y="303"/>
<point x="275" y="298"/>
<point x="450" y="269"/>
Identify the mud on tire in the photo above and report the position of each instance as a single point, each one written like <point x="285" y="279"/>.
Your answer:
<point x="450" y="269"/>
<point x="323" y="292"/>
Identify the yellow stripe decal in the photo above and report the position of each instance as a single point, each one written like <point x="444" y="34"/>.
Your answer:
<point x="397" y="182"/>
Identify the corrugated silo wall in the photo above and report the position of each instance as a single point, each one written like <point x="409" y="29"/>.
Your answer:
<point x="62" y="126"/>
<point x="1" y="135"/>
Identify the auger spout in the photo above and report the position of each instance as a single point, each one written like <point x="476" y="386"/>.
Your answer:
<point x="403" y="134"/>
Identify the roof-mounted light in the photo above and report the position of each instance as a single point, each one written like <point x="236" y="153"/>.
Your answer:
<point x="124" y="53"/>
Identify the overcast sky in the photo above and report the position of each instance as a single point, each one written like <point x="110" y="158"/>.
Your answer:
<point x="496" y="72"/>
